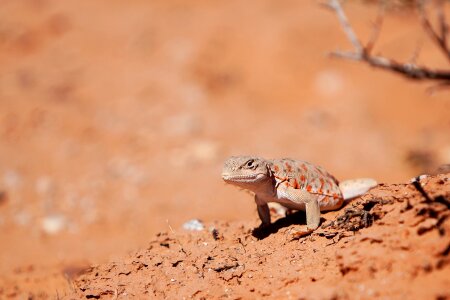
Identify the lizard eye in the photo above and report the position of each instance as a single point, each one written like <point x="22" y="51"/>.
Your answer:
<point x="249" y="163"/>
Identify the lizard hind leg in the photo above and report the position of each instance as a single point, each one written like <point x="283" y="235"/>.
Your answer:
<point x="279" y="210"/>
<point x="312" y="223"/>
<point x="312" y="210"/>
<point x="312" y="213"/>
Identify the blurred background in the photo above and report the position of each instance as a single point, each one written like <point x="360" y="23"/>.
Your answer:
<point x="116" y="116"/>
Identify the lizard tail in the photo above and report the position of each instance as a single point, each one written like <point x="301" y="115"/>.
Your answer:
<point x="356" y="187"/>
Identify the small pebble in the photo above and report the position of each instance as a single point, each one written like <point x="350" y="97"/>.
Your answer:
<point x="194" y="225"/>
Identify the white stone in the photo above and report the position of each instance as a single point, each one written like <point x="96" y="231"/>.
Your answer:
<point x="194" y="225"/>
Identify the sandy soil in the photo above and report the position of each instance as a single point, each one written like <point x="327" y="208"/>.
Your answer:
<point x="389" y="244"/>
<point x="115" y="118"/>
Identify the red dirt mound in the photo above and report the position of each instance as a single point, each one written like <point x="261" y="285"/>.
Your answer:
<point x="391" y="243"/>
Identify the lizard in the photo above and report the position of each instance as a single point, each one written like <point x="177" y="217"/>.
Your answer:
<point x="294" y="184"/>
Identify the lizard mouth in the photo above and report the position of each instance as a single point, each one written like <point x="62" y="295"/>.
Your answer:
<point x="243" y="178"/>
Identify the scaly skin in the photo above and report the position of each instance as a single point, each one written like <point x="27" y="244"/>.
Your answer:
<point x="292" y="183"/>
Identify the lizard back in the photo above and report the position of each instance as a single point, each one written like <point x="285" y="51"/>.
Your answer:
<point x="299" y="174"/>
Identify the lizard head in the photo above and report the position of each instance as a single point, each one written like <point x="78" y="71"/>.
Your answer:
<point x="246" y="171"/>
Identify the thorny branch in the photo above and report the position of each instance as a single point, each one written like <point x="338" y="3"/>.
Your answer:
<point x="410" y="70"/>
<point x="439" y="38"/>
<point x="336" y="6"/>
<point x="376" y="29"/>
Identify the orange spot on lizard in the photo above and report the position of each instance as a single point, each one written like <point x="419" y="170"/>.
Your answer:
<point x="288" y="167"/>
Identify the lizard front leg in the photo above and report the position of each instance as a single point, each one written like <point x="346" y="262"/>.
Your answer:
<point x="263" y="211"/>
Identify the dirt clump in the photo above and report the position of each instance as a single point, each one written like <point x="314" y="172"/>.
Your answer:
<point x="392" y="242"/>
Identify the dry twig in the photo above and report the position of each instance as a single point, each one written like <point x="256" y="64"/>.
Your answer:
<point x="376" y="28"/>
<point x="439" y="38"/>
<point x="409" y="70"/>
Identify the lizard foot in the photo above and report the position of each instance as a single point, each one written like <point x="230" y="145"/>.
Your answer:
<point x="296" y="234"/>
